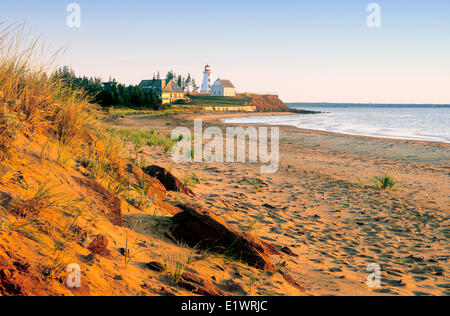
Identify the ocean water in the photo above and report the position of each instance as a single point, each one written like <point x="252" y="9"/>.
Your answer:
<point x="411" y="122"/>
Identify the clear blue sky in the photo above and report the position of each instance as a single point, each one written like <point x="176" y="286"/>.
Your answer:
<point x="306" y="51"/>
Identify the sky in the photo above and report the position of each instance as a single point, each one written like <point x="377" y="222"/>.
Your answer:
<point x="304" y="51"/>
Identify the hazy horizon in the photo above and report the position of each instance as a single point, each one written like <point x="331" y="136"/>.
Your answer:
<point x="305" y="52"/>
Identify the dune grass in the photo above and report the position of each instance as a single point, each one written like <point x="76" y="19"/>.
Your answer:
<point x="32" y="102"/>
<point x="100" y="157"/>
<point x="10" y="127"/>
<point x="385" y="182"/>
<point x="36" y="107"/>
<point x="140" y="138"/>
<point x="175" y="264"/>
<point x="42" y="199"/>
<point x="131" y="250"/>
<point x="191" y="179"/>
<point x="256" y="184"/>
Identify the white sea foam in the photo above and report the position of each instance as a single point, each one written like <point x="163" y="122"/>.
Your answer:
<point x="426" y="123"/>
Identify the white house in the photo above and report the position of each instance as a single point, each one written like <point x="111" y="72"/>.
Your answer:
<point x="223" y="88"/>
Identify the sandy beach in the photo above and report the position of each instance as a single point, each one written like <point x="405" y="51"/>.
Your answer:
<point x="324" y="206"/>
<point x="295" y="149"/>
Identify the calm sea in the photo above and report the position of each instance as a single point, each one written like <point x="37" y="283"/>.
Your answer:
<point x="414" y="122"/>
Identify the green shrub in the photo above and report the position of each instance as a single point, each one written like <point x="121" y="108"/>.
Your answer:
<point x="385" y="182"/>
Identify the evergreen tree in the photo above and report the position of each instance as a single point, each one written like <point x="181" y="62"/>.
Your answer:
<point x="180" y="82"/>
<point x="194" y="85"/>
<point x="187" y="83"/>
<point x="170" y="75"/>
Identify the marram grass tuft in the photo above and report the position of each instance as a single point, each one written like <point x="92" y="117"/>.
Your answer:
<point x="32" y="101"/>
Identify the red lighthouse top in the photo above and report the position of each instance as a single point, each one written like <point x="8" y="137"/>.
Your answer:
<point x="207" y="68"/>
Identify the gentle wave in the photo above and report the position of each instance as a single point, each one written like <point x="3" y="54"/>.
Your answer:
<point x="409" y="123"/>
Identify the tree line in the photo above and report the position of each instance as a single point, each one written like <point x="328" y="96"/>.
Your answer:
<point x="187" y="83"/>
<point x="115" y="94"/>
<point x="111" y="93"/>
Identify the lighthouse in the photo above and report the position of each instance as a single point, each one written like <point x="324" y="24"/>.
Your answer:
<point x="206" y="85"/>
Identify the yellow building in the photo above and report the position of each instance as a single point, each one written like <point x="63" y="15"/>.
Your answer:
<point x="169" y="92"/>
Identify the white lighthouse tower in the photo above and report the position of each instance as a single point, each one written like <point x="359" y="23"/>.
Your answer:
<point x="206" y="85"/>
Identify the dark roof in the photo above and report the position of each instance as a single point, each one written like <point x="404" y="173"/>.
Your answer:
<point x="156" y="84"/>
<point x="162" y="85"/>
<point x="147" y="83"/>
<point x="226" y="83"/>
<point x="173" y="87"/>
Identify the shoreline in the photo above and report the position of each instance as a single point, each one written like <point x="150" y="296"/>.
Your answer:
<point x="217" y="117"/>
<point x="323" y="204"/>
